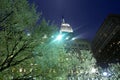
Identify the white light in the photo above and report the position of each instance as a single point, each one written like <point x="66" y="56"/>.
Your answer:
<point x="45" y="36"/>
<point x="59" y="37"/>
<point x="20" y="70"/>
<point x="65" y="27"/>
<point x="34" y="78"/>
<point x="24" y="70"/>
<point x="61" y="78"/>
<point x="67" y="38"/>
<point x="105" y="73"/>
<point x="65" y="24"/>
<point x="93" y="70"/>
<point x="67" y="59"/>
<point x="28" y="34"/>
<point x="73" y="38"/>
<point x="52" y="36"/>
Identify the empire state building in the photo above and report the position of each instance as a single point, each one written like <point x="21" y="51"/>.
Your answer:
<point x="65" y="27"/>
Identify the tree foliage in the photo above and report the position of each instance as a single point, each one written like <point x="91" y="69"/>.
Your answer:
<point x="86" y="68"/>
<point x="26" y="49"/>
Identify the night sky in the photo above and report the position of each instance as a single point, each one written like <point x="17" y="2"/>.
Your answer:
<point x="85" y="16"/>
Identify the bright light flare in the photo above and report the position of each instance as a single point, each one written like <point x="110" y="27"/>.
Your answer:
<point x="73" y="39"/>
<point x="105" y="73"/>
<point x="59" y="37"/>
<point x="93" y="70"/>
<point x="67" y="38"/>
<point x="28" y="34"/>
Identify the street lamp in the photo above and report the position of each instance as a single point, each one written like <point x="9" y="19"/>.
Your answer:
<point x="105" y="73"/>
<point x="73" y="39"/>
<point x="67" y="38"/>
<point x="59" y="37"/>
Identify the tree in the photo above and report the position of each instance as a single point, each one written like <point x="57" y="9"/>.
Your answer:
<point x="15" y="46"/>
<point x="26" y="50"/>
<point x="86" y="68"/>
<point x="114" y="69"/>
<point x="54" y="63"/>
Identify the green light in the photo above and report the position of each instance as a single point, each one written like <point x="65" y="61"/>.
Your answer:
<point x="73" y="39"/>
<point x="59" y="37"/>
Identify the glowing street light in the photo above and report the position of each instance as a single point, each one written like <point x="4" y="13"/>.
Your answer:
<point x="67" y="38"/>
<point x="59" y="37"/>
<point x="105" y="74"/>
<point x="64" y="31"/>
<point x="73" y="39"/>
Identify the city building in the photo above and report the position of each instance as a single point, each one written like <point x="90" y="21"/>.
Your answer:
<point x="106" y="43"/>
<point x="72" y="44"/>
<point x="77" y="45"/>
<point x="65" y="27"/>
<point x="66" y="31"/>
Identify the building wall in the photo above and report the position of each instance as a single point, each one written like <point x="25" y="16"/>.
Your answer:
<point x="77" y="45"/>
<point x="106" y="43"/>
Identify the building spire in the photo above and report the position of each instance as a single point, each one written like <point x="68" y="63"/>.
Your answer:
<point x="65" y="27"/>
<point x="63" y="20"/>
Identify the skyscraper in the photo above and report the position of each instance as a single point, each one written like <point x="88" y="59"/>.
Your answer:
<point x="73" y="44"/>
<point x="106" y="44"/>
<point x="65" y="27"/>
<point x="66" y="30"/>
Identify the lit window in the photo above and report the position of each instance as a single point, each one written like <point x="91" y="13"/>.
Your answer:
<point x="111" y="45"/>
<point x="99" y="51"/>
<point x="118" y="42"/>
<point x="113" y="42"/>
<point x="105" y="34"/>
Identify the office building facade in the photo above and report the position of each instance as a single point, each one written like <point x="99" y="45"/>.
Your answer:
<point x="106" y="43"/>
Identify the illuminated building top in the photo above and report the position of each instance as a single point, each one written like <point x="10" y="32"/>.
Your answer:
<point x="65" y="27"/>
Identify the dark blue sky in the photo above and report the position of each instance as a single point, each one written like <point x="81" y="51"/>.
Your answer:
<point x="85" y="16"/>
